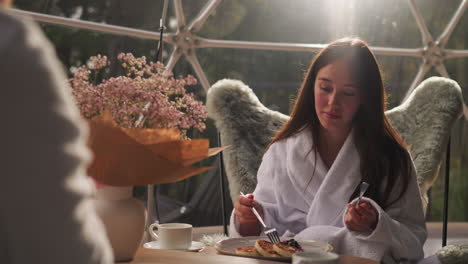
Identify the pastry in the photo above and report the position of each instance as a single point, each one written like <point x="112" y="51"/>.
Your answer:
<point x="265" y="248"/>
<point x="247" y="251"/>
<point x="287" y="248"/>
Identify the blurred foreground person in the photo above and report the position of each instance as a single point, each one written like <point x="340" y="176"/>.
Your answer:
<point x="46" y="211"/>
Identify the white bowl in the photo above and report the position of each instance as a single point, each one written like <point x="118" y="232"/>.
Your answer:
<point x="315" y="257"/>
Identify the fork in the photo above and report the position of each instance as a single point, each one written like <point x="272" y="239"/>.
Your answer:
<point x="271" y="232"/>
<point x="363" y="189"/>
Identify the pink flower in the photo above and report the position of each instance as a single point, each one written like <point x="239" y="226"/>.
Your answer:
<point x="146" y="91"/>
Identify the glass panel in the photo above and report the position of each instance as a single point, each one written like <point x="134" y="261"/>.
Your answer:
<point x="437" y="14"/>
<point x="398" y="74"/>
<point x="391" y="22"/>
<point x="142" y="14"/>
<point x="459" y="34"/>
<point x="75" y="46"/>
<point x="458" y="198"/>
<point x="273" y="75"/>
<point x="457" y="69"/>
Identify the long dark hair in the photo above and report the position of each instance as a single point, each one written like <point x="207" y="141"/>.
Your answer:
<point x="385" y="160"/>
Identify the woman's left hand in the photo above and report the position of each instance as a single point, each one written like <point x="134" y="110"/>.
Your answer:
<point x="361" y="218"/>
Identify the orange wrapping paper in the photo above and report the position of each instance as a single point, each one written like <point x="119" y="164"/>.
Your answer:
<point x="125" y="157"/>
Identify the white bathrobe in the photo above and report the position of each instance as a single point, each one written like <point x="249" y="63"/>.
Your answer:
<point x="315" y="210"/>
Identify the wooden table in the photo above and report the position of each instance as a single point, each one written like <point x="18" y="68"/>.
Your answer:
<point x="210" y="256"/>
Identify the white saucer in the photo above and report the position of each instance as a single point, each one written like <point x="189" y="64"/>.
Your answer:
<point x="196" y="246"/>
<point x="316" y="256"/>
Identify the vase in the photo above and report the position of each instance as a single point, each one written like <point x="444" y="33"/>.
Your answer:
<point x="124" y="219"/>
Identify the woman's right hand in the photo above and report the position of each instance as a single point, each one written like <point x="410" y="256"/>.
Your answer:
<point x="248" y="222"/>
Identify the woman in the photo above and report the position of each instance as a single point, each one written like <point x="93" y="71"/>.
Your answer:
<point x="336" y="138"/>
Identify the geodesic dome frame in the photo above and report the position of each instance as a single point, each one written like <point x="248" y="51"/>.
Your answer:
<point x="185" y="41"/>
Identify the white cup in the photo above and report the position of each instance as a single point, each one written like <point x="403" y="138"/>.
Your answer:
<point x="172" y="236"/>
<point x="315" y="257"/>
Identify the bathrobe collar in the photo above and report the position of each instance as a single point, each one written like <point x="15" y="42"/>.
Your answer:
<point x="331" y="187"/>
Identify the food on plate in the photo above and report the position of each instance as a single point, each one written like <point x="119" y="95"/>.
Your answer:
<point x="265" y="248"/>
<point x="287" y="248"/>
<point x="247" y="251"/>
<point x="293" y="243"/>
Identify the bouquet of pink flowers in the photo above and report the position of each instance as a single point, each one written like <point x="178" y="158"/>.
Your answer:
<point x="145" y="96"/>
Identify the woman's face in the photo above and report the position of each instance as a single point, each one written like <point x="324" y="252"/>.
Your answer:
<point x="337" y="98"/>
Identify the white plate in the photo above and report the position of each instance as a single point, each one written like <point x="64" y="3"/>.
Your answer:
<point x="196" y="246"/>
<point x="228" y="246"/>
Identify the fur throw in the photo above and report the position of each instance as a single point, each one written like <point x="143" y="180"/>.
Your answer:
<point x="424" y="121"/>
<point x="453" y="254"/>
<point x="247" y="126"/>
